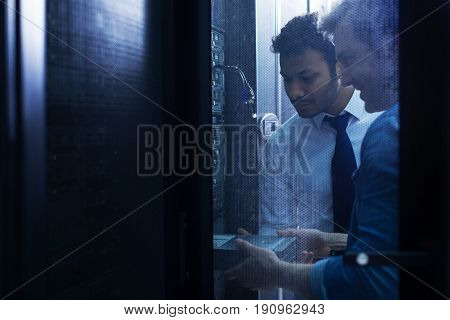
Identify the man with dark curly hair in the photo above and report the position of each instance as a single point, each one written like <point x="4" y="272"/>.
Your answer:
<point x="314" y="189"/>
<point x="364" y="32"/>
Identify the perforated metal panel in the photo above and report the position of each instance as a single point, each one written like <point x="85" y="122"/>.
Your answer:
<point x="101" y="68"/>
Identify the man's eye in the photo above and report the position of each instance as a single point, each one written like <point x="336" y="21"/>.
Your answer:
<point x="346" y="61"/>
<point x="307" y="79"/>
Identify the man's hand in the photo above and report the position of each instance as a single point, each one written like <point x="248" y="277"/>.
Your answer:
<point x="311" y="243"/>
<point x="261" y="270"/>
<point x="304" y="257"/>
<point x="243" y="232"/>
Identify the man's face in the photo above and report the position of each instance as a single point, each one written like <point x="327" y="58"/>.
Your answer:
<point x="307" y="82"/>
<point x="359" y="67"/>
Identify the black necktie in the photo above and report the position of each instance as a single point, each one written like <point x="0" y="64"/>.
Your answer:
<point x="342" y="167"/>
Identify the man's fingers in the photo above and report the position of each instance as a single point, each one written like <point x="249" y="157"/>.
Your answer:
<point x="310" y="257"/>
<point x="233" y="273"/>
<point x="243" y="232"/>
<point x="288" y="232"/>
<point x="325" y="252"/>
<point x="301" y="256"/>
<point x="305" y="257"/>
<point x="247" y="248"/>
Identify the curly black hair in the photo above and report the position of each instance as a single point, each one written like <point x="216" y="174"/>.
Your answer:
<point x="302" y="33"/>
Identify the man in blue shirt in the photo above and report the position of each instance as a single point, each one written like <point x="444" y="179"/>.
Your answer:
<point x="366" y="46"/>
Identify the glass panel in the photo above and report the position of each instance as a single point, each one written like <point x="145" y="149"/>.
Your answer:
<point x="312" y="117"/>
<point x="233" y="67"/>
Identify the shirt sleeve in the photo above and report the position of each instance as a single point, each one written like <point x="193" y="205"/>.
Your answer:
<point x="316" y="280"/>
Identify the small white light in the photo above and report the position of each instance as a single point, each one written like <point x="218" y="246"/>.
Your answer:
<point x="362" y="259"/>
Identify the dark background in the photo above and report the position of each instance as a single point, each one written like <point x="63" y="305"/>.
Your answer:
<point x="425" y="145"/>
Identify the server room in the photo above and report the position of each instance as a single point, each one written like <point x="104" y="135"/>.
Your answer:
<point x="198" y="150"/>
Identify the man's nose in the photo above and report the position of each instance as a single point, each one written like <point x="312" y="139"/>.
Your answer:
<point x="295" y="92"/>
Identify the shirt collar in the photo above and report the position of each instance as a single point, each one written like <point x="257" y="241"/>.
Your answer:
<point x="355" y="107"/>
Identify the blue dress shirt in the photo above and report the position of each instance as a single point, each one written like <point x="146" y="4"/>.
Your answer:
<point x="374" y="221"/>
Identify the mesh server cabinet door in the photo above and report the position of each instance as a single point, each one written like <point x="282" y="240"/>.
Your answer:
<point x="103" y="65"/>
<point x="96" y="216"/>
<point x="100" y="233"/>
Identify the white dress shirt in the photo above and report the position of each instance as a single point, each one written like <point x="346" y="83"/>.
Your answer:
<point x="300" y="195"/>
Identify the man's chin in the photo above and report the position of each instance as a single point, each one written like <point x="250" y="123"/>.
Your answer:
<point x="371" y="107"/>
<point x="368" y="108"/>
<point x="306" y="113"/>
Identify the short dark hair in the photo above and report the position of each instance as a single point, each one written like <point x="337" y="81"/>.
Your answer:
<point x="302" y="33"/>
<point x="374" y="22"/>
